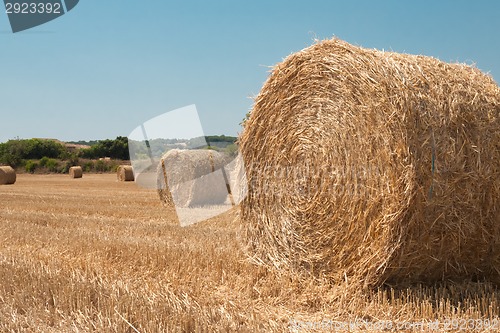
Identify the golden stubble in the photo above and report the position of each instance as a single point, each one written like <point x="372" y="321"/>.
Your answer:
<point x="99" y="255"/>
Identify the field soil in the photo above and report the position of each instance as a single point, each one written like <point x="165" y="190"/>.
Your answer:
<point x="98" y="255"/>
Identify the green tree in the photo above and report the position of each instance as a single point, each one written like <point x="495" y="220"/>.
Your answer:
<point x="52" y="165"/>
<point x="117" y="149"/>
<point x="30" y="166"/>
<point x="43" y="161"/>
<point x="13" y="152"/>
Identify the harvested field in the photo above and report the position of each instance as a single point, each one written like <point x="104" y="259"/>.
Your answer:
<point x="86" y="256"/>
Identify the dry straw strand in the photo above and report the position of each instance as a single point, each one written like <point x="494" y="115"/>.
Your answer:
<point x="374" y="167"/>
<point x="7" y="175"/>
<point x="125" y="173"/>
<point x="76" y="172"/>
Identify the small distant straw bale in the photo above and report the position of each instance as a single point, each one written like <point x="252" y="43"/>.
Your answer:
<point x="76" y="172"/>
<point x="125" y="173"/>
<point x="7" y="175"/>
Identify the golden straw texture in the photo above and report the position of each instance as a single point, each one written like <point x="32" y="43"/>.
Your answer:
<point x="191" y="179"/>
<point x="7" y="175"/>
<point x="125" y="173"/>
<point x="76" y="172"/>
<point x="371" y="166"/>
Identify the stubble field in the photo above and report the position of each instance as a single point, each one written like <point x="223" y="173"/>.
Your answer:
<point x="98" y="255"/>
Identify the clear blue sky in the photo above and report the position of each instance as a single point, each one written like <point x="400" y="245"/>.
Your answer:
<point x="109" y="65"/>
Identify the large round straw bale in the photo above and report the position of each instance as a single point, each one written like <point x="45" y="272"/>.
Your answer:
<point x="76" y="172"/>
<point x="7" y="175"/>
<point x="125" y="173"/>
<point x="373" y="166"/>
<point x="190" y="177"/>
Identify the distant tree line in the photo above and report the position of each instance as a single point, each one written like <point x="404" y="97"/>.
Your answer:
<point x="158" y="147"/>
<point x="33" y="153"/>
<point x="116" y="149"/>
<point x="55" y="156"/>
<point x="221" y="138"/>
<point x="222" y="143"/>
<point x="14" y="152"/>
<point x="84" y="143"/>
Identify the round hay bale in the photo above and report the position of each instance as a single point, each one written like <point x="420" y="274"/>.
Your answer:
<point x="374" y="166"/>
<point x="7" y="175"/>
<point x="125" y="173"/>
<point x="76" y="172"/>
<point x="191" y="179"/>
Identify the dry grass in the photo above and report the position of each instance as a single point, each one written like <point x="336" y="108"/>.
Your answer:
<point x="374" y="166"/>
<point x="86" y="256"/>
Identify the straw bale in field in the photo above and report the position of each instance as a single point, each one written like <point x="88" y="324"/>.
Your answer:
<point x="75" y="172"/>
<point x="125" y="173"/>
<point x="7" y="175"/>
<point x="369" y="166"/>
<point x="194" y="178"/>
